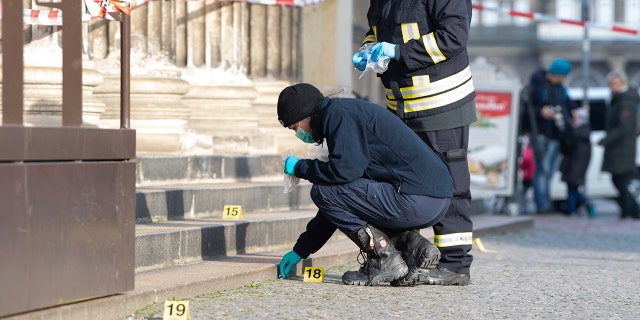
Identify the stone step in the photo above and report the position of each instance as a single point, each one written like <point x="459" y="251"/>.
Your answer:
<point x="177" y="242"/>
<point x="164" y="170"/>
<point x="192" y="201"/>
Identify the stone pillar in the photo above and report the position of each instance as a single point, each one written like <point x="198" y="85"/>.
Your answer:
<point x="196" y="33"/>
<point x="166" y="30"/>
<point x="227" y="37"/>
<point x="286" y="44"/>
<point x="273" y="42"/>
<point x="181" y="19"/>
<point x="258" y="43"/>
<point x="98" y="38"/>
<point x="139" y="33"/>
<point x="155" y="25"/>
<point x="241" y="24"/>
<point x="213" y="29"/>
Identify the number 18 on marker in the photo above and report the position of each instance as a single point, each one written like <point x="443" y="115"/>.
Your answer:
<point x="312" y="274"/>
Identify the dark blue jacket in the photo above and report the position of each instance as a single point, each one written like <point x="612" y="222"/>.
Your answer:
<point x="367" y="141"/>
<point x="544" y="93"/>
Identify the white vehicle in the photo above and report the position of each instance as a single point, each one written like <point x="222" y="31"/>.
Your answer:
<point x="598" y="184"/>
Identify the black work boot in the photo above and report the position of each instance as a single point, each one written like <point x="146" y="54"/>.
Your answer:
<point x="445" y="277"/>
<point x="418" y="252"/>
<point x="383" y="264"/>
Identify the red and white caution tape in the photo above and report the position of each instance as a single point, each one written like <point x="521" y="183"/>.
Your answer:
<point x="101" y="8"/>
<point x="549" y="18"/>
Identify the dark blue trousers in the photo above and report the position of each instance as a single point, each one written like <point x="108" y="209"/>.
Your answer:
<point x="353" y="205"/>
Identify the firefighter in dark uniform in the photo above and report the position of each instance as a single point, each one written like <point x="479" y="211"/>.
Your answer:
<point x="429" y="86"/>
<point x="380" y="182"/>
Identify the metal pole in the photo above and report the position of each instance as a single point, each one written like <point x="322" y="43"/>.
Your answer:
<point x="586" y="48"/>
<point x="125" y="68"/>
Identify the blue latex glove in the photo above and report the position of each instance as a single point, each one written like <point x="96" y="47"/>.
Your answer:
<point x="359" y="61"/>
<point x="383" y="49"/>
<point x="289" y="261"/>
<point x="290" y="165"/>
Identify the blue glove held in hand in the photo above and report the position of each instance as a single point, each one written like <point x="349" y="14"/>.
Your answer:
<point x="383" y="49"/>
<point x="289" y="261"/>
<point x="290" y="165"/>
<point x="359" y="61"/>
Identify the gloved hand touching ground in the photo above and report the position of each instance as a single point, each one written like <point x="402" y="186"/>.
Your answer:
<point x="289" y="261"/>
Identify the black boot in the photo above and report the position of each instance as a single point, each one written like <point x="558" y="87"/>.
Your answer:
<point x="418" y="252"/>
<point x="383" y="263"/>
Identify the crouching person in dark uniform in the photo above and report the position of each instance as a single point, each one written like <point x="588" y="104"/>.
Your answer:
<point x="380" y="183"/>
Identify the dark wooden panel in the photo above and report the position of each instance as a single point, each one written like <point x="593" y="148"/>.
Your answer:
<point x="19" y="143"/>
<point x="67" y="232"/>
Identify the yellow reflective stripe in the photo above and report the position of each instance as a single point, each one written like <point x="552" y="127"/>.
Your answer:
<point x="420" y="80"/>
<point x="369" y="38"/>
<point x="453" y="239"/>
<point x="422" y="87"/>
<point x="410" y="31"/>
<point x="432" y="48"/>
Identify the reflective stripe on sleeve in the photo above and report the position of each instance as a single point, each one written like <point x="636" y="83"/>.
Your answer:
<point x="410" y="31"/>
<point x="432" y="48"/>
<point x="453" y="239"/>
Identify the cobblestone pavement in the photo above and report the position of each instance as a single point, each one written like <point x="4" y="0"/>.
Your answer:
<point x="563" y="268"/>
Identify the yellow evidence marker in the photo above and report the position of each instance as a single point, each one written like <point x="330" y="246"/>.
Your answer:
<point x="477" y="242"/>
<point x="176" y="310"/>
<point x="313" y="274"/>
<point x="232" y="212"/>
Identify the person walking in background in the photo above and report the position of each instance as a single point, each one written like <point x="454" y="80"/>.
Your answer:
<point x="575" y="161"/>
<point x="429" y="86"/>
<point x="527" y="168"/>
<point x="620" y="142"/>
<point x="552" y="107"/>
<point x="380" y="182"/>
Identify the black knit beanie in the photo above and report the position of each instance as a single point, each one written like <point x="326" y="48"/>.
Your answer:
<point x="298" y="102"/>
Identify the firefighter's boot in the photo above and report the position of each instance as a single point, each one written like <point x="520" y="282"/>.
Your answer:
<point x="418" y="252"/>
<point x="383" y="263"/>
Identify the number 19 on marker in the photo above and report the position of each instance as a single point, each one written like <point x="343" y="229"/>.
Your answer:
<point x="176" y="310"/>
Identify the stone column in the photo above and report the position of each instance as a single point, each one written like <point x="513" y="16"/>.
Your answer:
<point x="258" y="43"/>
<point x="196" y="33"/>
<point x="286" y="44"/>
<point x="227" y="37"/>
<point x="166" y="30"/>
<point x="139" y="33"/>
<point x="98" y="38"/>
<point x="154" y="27"/>
<point x="213" y="29"/>
<point x="273" y="42"/>
<point x="181" y="19"/>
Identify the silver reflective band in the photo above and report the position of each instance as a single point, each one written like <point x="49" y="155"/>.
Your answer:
<point x="453" y="239"/>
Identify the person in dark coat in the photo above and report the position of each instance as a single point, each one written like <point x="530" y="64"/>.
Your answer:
<point x="380" y="183"/>
<point x="575" y="162"/>
<point x="620" y="141"/>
